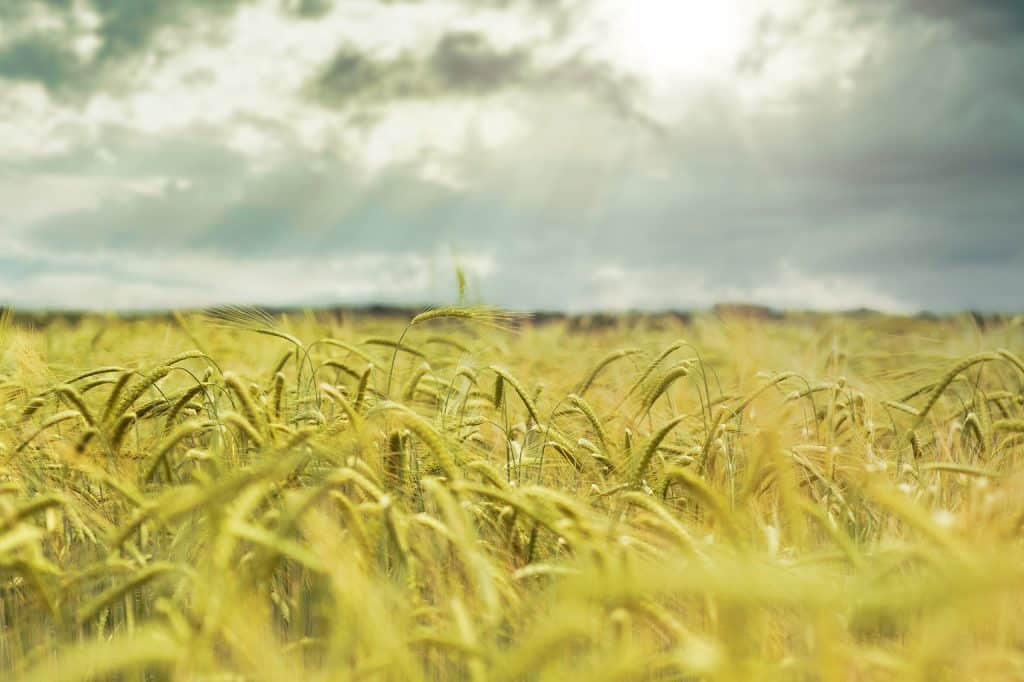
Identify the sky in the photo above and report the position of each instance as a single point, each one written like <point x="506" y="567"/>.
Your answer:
<point x="566" y="154"/>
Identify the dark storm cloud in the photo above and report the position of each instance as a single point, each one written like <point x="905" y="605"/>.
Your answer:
<point x="910" y="171"/>
<point x="196" y="174"/>
<point x="39" y="59"/>
<point x="126" y="29"/>
<point x="552" y="8"/>
<point x="996" y="20"/>
<point x="211" y="202"/>
<point x="466" y="63"/>
<point x="732" y="228"/>
<point x="128" y="26"/>
<point x="308" y="9"/>
<point x="460" y="63"/>
<point x="913" y="167"/>
<point x="351" y="74"/>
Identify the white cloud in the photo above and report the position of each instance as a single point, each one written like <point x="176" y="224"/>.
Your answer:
<point x="619" y="288"/>
<point x="102" y="279"/>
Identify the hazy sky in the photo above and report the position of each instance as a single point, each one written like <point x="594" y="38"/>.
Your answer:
<point x="572" y="154"/>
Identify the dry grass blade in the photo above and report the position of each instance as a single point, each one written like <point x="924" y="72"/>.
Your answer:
<point x="595" y="421"/>
<point x="102" y="658"/>
<point x="478" y="314"/>
<point x="507" y="377"/>
<point x="600" y="367"/>
<point x="250" y="319"/>
<point x="428" y="434"/>
<point x="948" y="378"/>
<point x="678" y="372"/>
<point x="651" y="447"/>
<point x="48" y="423"/>
<point x="89" y="611"/>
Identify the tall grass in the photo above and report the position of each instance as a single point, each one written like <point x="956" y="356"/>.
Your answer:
<point x="818" y="499"/>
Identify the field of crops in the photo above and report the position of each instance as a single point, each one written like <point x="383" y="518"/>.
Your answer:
<point x="471" y="496"/>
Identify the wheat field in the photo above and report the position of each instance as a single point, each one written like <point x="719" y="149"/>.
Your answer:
<point x="472" y="495"/>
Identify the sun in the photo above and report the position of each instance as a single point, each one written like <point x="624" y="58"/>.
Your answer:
<point x="673" y="40"/>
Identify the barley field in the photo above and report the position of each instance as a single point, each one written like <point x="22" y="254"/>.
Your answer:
<point x="469" y="494"/>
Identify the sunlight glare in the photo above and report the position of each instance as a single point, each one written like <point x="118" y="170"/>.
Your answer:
<point x="672" y="40"/>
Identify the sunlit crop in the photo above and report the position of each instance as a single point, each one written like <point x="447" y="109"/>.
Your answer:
<point x="473" y="495"/>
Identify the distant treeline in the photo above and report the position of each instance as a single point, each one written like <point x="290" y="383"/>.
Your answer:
<point x="577" y="322"/>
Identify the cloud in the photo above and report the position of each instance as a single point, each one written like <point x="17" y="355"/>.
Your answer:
<point x="854" y="156"/>
<point x="465" y="61"/>
<point x="309" y="9"/>
<point x="992" y="20"/>
<point x="460" y="63"/>
<point x="465" y="64"/>
<point x="112" y="32"/>
<point x="104" y="35"/>
<point x="351" y="75"/>
<point x="44" y="60"/>
<point x="735" y="234"/>
<point x="128" y="26"/>
<point x="617" y="288"/>
<point x="104" y="279"/>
